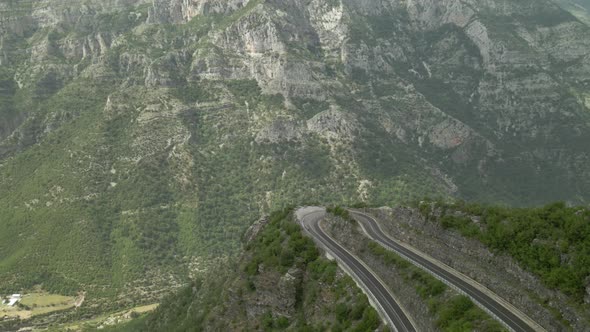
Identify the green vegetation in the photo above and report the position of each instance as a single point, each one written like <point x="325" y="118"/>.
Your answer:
<point x="460" y="314"/>
<point x="456" y="313"/>
<point x="44" y="300"/>
<point x="551" y="241"/>
<point x="280" y="244"/>
<point x="339" y="211"/>
<point x="279" y="247"/>
<point x="426" y="285"/>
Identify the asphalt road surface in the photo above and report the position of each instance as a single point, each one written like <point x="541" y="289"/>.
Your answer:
<point x="311" y="218"/>
<point x="504" y="312"/>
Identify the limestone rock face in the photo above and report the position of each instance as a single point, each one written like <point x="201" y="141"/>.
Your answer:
<point x="288" y="290"/>
<point x="182" y="11"/>
<point x="333" y="124"/>
<point x="280" y="131"/>
<point x="255" y="229"/>
<point x="485" y="82"/>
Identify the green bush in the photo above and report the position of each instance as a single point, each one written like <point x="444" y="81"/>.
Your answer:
<point x="282" y="322"/>
<point x="538" y="238"/>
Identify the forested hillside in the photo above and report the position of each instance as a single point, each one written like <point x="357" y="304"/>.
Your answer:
<point x="551" y="241"/>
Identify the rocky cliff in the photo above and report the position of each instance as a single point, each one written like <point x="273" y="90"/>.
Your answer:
<point x="145" y="134"/>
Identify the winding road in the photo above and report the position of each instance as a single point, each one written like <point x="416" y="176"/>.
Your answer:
<point x="310" y="219"/>
<point x="511" y="317"/>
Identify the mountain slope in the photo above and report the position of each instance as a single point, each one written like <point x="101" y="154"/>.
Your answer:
<point x="139" y="138"/>
<point x="279" y="283"/>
